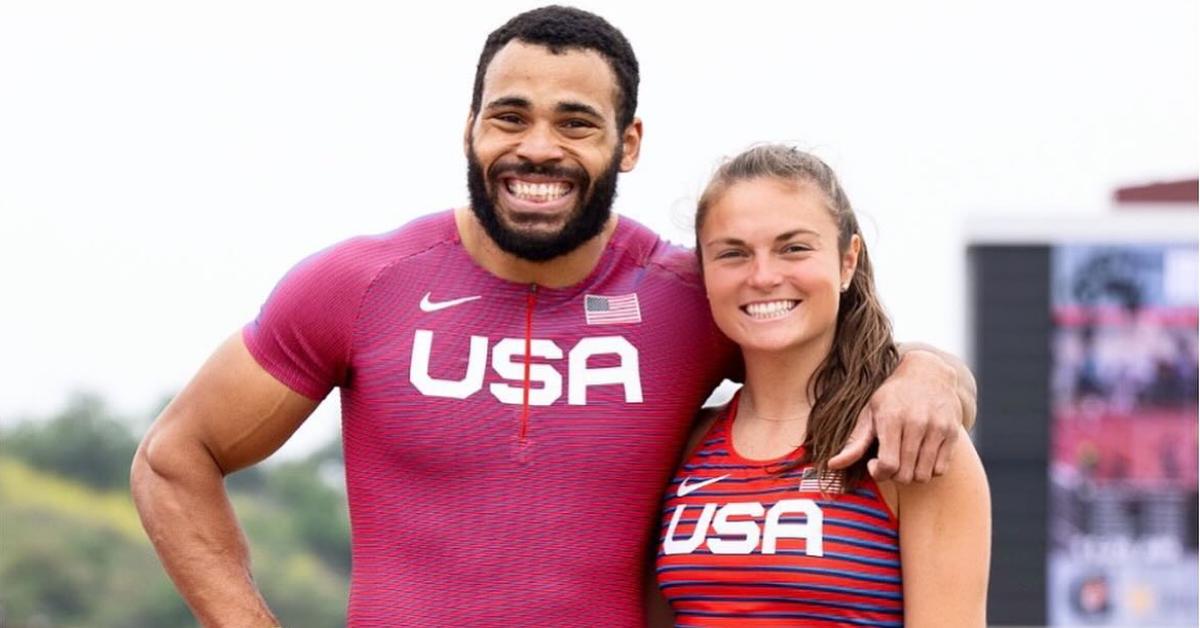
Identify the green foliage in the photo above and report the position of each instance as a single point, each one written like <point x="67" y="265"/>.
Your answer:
<point x="319" y="511"/>
<point x="82" y="442"/>
<point x="72" y="554"/>
<point x="71" y="573"/>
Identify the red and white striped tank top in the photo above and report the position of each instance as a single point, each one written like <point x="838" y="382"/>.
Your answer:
<point x="745" y="545"/>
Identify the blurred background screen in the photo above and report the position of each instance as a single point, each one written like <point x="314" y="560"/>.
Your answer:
<point x="1086" y="350"/>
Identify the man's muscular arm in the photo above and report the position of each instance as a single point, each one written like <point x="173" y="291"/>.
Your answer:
<point x="231" y="415"/>
<point x="915" y="415"/>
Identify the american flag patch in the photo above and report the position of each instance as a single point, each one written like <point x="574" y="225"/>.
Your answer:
<point x="825" y="482"/>
<point x="611" y="310"/>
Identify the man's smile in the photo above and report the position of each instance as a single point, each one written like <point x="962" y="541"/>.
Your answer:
<point x="531" y="194"/>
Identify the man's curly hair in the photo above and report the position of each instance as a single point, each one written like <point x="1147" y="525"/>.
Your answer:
<point x="560" y="29"/>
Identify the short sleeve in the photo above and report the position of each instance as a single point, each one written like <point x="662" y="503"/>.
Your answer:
<point x="684" y="264"/>
<point x="304" y="332"/>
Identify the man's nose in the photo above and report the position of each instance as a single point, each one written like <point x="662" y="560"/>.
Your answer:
<point x="540" y="144"/>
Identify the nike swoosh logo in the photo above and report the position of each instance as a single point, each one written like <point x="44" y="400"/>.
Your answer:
<point x="431" y="306"/>
<point x="685" y="488"/>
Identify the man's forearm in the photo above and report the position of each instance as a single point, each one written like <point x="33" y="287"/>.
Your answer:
<point x="965" y="380"/>
<point x="183" y="505"/>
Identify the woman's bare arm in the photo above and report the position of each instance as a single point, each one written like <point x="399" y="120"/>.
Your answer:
<point x="945" y="544"/>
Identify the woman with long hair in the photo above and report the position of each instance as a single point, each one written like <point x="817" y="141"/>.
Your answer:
<point x="756" y="529"/>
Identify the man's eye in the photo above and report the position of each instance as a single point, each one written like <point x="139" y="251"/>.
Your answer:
<point x="578" y="124"/>
<point x="508" y="118"/>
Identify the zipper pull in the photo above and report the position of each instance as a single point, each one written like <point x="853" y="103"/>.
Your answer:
<point x="523" y="421"/>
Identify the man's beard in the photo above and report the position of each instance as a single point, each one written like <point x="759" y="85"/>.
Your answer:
<point x="586" y="221"/>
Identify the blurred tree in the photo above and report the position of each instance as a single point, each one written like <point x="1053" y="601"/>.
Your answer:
<point x="318" y="510"/>
<point x="79" y="573"/>
<point x="83" y="442"/>
<point x="72" y="554"/>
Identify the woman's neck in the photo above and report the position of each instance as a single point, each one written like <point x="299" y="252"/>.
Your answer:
<point x="778" y="382"/>
<point x="772" y="416"/>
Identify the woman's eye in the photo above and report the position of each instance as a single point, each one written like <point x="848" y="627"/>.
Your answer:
<point x="796" y="248"/>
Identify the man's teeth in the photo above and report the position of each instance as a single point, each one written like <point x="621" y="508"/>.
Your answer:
<point x="770" y="309"/>
<point x="538" y="192"/>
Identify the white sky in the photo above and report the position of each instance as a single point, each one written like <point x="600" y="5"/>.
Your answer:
<point x="162" y="164"/>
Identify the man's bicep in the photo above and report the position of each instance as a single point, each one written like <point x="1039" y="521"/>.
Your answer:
<point x="235" y="409"/>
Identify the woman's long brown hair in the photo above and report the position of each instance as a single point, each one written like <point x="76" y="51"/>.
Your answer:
<point x="863" y="352"/>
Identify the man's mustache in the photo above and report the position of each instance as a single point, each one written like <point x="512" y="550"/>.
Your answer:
<point x="530" y="168"/>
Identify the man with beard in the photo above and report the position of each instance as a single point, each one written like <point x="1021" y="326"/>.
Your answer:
<point x="517" y="377"/>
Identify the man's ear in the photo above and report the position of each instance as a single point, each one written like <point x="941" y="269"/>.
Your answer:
<point x="467" y="133"/>
<point x="631" y="145"/>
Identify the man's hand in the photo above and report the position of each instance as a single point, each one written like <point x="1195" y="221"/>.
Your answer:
<point x="915" y="414"/>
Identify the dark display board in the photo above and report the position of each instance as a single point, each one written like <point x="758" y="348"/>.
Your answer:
<point x="1011" y="310"/>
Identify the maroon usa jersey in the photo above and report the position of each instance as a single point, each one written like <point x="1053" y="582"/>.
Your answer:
<point x="506" y="444"/>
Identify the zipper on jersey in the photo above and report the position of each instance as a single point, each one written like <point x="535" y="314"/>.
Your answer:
<point x="530" y="302"/>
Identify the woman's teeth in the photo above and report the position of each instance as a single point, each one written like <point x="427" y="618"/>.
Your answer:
<point x="769" y="309"/>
